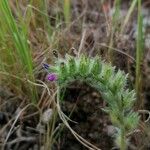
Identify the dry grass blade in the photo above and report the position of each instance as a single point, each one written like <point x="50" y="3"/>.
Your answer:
<point x="17" y="117"/>
<point x="139" y="56"/>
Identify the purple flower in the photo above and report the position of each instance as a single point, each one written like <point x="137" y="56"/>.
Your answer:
<point x="52" y="77"/>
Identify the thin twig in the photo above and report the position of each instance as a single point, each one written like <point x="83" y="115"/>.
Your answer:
<point x="82" y="42"/>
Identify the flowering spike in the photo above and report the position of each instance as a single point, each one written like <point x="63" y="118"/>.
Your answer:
<point x="46" y="66"/>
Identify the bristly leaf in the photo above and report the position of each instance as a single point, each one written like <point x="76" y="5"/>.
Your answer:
<point x="97" y="66"/>
<point x="131" y="121"/>
<point x="82" y="66"/>
<point x="72" y="66"/>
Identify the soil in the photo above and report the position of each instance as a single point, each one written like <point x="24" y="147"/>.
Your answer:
<point x="84" y="106"/>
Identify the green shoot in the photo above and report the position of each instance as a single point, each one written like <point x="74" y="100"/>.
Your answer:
<point x="108" y="82"/>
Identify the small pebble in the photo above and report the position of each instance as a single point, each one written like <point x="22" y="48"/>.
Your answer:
<point x="47" y="115"/>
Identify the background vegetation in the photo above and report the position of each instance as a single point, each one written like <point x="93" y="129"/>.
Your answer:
<point x="35" y="32"/>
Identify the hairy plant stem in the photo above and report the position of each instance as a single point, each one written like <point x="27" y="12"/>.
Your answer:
<point x="123" y="139"/>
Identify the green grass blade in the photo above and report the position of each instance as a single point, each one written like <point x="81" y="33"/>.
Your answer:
<point x="67" y="11"/>
<point x="18" y="35"/>
<point x="131" y="9"/>
<point x="114" y="28"/>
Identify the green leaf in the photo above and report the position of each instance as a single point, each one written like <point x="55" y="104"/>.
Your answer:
<point x="131" y="121"/>
<point x="96" y="66"/>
